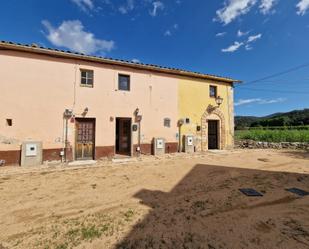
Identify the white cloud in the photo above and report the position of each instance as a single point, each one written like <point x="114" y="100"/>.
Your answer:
<point x="259" y="101"/>
<point x="247" y="44"/>
<point x="71" y="35"/>
<point x="129" y="6"/>
<point x="167" y="33"/>
<point x="254" y="38"/>
<point x="267" y="5"/>
<point x="233" y="9"/>
<point x="221" y="34"/>
<point x="157" y="5"/>
<point x="302" y="6"/>
<point x="240" y="33"/>
<point x="234" y="47"/>
<point x="136" y="61"/>
<point x="84" y="5"/>
<point x="248" y="47"/>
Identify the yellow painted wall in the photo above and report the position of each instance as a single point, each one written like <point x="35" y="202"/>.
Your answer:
<point x="194" y="100"/>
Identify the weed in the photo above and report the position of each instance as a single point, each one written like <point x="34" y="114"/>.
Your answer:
<point x="90" y="232"/>
<point x="62" y="246"/>
<point x="72" y="233"/>
<point x="128" y="215"/>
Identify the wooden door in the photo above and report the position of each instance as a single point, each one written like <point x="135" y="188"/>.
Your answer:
<point x="85" y="138"/>
<point x="123" y="136"/>
<point x="213" y="134"/>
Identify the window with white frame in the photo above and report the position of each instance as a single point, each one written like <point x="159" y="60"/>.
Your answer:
<point x="86" y="78"/>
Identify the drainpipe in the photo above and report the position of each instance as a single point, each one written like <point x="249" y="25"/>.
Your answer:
<point x="180" y="123"/>
<point x="66" y="140"/>
<point x="139" y="138"/>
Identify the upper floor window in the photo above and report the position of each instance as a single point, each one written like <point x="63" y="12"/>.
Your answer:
<point x="86" y="78"/>
<point x="213" y="91"/>
<point x="124" y="82"/>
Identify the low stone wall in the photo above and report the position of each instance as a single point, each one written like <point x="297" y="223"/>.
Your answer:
<point x="250" y="144"/>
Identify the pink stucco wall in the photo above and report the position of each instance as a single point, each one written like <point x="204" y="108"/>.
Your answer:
<point x="36" y="89"/>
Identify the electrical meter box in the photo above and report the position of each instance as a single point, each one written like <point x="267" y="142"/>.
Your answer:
<point x="31" y="153"/>
<point x="188" y="143"/>
<point x="158" y="146"/>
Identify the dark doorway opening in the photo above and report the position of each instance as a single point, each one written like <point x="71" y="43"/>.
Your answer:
<point x="123" y="136"/>
<point x="213" y="134"/>
<point x="85" y="138"/>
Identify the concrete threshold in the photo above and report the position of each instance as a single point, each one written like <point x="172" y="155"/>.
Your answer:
<point x="82" y="163"/>
<point x="124" y="159"/>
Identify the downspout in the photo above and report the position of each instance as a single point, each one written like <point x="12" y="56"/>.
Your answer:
<point x="65" y="149"/>
<point x="66" y="140"/>
<point x="139" y="138"/>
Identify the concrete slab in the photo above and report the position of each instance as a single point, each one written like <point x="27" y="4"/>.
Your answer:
<point x="124" y="159"/>
<point x="82" y="163"/>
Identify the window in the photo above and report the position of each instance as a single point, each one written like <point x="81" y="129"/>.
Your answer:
<point x="124" y="82"/>
<point x="167" y="122"/>
<point x="9" y="122"/>
<point x="187" y="120"/>
<point x="86" y="78"/>
<point x="213" y="91"/>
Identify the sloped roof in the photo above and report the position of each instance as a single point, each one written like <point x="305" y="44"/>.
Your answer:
<point x="6" y="45"/>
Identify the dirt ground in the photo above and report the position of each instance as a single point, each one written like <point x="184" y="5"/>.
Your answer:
<point x="173" y="201"/>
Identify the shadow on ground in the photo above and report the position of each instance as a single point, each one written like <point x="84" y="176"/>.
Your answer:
<point x="297" y="154"/>
<point x="206" y="210"/>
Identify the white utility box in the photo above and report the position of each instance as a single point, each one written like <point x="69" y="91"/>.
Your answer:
<point x="158" y="146"/>
<point x="31" y="153"/>
<point x="188" y="143"/>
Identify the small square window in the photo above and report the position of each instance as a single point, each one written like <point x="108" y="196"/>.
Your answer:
<point x="124" y="82"/>
<point x="187" y="120"/>
<point x="213" y="91"/>
<point x="167" y="122"/>
<point x="86" y="78"/>
<point x="9" y="122"/>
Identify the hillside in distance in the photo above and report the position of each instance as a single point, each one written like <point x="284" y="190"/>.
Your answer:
<point x="293" y="118"/>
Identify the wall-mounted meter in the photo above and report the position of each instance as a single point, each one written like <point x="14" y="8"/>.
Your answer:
<point x="31" y="149"/>
<point x="188" y="144"/>
<point x="158" y="146"/>
<point x="159" y="143"/>
<point x="190" y="140"/>
<point x="31" y="153"/>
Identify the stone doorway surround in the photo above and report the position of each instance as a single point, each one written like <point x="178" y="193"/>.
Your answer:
<point x="213" y="113"/>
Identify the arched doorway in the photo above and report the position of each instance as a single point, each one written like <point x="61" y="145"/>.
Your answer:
<point x="210" y="117"/>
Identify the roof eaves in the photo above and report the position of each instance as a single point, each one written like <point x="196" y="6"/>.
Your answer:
<point x="66" y="53"/>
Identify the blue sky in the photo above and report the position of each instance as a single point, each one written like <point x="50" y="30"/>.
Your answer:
<point x="242" y="39"/>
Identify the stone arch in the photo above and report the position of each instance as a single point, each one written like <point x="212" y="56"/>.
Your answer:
<point x="209" y="114"/>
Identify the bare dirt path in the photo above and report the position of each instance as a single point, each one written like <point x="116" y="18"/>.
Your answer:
<point x="175" y="201"/>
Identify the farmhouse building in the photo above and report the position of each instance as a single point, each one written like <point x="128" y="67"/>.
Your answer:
<point x="85" y="107"/>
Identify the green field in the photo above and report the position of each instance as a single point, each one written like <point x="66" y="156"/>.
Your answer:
<point x="273" y="135"/>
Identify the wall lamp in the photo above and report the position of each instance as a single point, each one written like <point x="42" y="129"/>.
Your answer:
<point x="136" y="111"/>
<point x="219" y="101"/>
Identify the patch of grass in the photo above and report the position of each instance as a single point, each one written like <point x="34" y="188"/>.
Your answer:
<point x="62" y="246"/>
<point x="90" y="232"/>
<point x="273" y="135"/>
<point x="128" y="215"/>
<point x="73" y="233"/>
